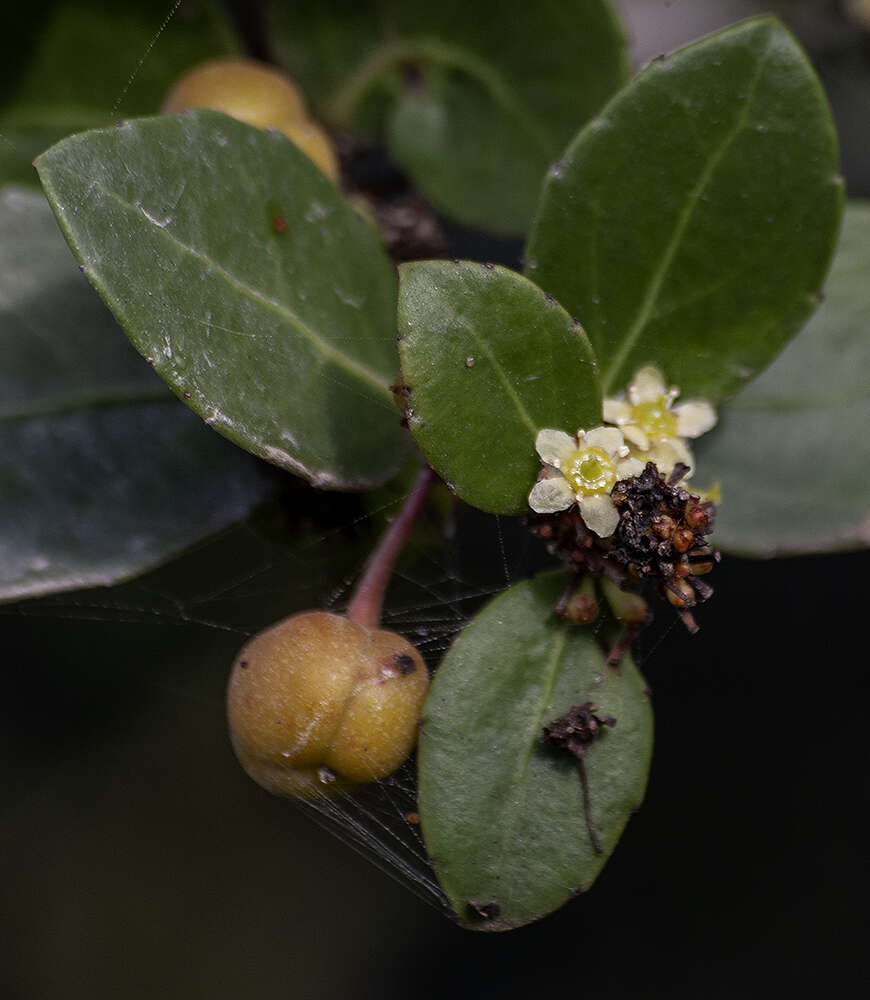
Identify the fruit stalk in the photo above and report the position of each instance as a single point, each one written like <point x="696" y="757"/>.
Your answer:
<point x="367" y="600"/>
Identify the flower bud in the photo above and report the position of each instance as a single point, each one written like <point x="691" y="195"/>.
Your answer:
<point x="680" y="593"/>
<point x="580" y="605"/>
<point x="318" y="703"/>
<point x="627" y="606"/>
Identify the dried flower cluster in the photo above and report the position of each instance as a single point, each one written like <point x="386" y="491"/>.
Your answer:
<point x="662" y="535"/>
<point x="574" y="731"/>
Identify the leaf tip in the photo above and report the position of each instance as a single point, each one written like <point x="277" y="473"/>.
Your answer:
<point x="483" y="911"/>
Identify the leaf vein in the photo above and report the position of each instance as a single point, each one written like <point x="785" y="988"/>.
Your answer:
<point x="343" y="360"/>
<point x="505" y="381"/>
<point x="660" y="273"/>
<point x="386" y="57"/>
<point x="512" y="806"/>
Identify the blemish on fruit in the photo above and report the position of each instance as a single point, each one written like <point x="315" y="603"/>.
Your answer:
<point x="405" y="664"/>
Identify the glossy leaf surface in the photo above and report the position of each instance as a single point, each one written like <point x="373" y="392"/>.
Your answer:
<point x="263" y="299"/>
<point x="691" y="224"/>
<point x="792" y="451"/>
<point x="487" y="361"/>
<point x="83" y="64"/>
<point x="102" y="473"/>
<point x="475" y="100"/>
<point x="502" y="813"/>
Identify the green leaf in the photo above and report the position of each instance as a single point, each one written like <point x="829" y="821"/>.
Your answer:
<point x="791" y="452"/>
<point x="262" y="297"/>
<point x="82" y="64"/>
<point x="487" y="361"/>
<point x="691" y="224"/>
<point x="102" y="473"/>
<point x="503" y="814"/>
<point x="475" y="100"/>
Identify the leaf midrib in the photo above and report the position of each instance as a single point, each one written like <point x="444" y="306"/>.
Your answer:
<point x="514" y="802"/>
<point x="503" y="378"/>
<point x="659" y="274"/>
<point x="351" y="365"/>
<point x="389" y="55"/>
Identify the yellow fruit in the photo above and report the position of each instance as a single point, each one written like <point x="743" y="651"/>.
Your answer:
<point x="250" y="91"/>
<point x="258" y="95"/>
<point x="315" y="143"/>
<point x="317" y="704"/>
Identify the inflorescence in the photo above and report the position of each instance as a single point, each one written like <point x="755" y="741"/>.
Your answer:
<point x="660" y="539"/>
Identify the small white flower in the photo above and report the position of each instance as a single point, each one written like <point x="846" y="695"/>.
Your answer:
<point x="655" y="429"/>
<point x="583" y="470"/>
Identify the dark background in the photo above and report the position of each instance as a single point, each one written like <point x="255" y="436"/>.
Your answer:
<point x="137" y="860"/>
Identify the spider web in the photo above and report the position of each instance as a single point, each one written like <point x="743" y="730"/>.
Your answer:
<point x="453" y="564"/>
<point x="250" y="576"/>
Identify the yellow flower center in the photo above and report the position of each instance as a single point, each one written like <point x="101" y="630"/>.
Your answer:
<point x="589" y="471"/>
<point x="654" y="418"/>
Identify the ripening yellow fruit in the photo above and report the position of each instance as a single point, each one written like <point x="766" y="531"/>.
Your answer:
<point x="315" y="143"/>
<point x="250" y="91"/>
<point x="256" y="94"/>
<point x="317" y="704"/>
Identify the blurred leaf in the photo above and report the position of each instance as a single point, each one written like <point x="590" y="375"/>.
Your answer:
<point x="259" y="293"/>
<point x="81" y="64"/>
<point x="691" y="224"/>
<point x="487" y="361"/>
<point x="475" y="99"/>
<point x="502" y="813"/>
<point x="792" y="451"/>
<point x="102" y="473"/>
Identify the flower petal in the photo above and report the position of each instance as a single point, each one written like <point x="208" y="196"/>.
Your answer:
<point x="616" y="412"/>
<point x="551" y="445"/>
<point x="683" y="452"/>
<point x="599" y="514"/>
<point x="551" y="495"/>
<point x="694" y="418"/>
<point x="667" y="452"/>
<point x="647" y="386"/>
<point x="608" y="439"/>
<point x="636" y="436"/>
<point x="629" y="467"/>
